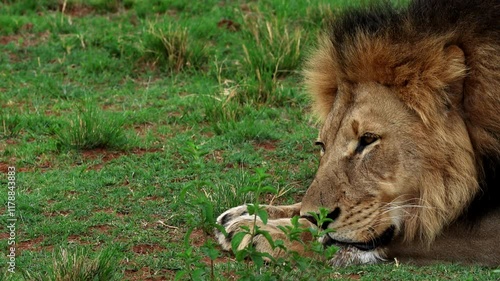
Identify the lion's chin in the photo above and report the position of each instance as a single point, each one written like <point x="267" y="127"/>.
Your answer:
<point x="348" y="255"/>
<point x="377" y="242"/>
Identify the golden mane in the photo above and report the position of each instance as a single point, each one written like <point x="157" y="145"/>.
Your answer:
<point x="435" y="57"/>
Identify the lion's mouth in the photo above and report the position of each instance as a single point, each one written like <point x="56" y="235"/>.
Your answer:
<point x="382" y="240"/>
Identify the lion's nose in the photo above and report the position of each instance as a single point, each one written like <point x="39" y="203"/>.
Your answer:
<point x="332" y="216"/>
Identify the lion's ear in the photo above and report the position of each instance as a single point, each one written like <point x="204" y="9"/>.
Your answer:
<point x="454" y="75"/>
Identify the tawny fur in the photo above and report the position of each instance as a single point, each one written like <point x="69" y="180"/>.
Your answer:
<point x="428" y="78"/>
<point x="420" y="61"/>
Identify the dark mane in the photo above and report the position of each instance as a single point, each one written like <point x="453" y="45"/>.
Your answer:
<point x="478" y="17"/>
<point x="425" y="16"/>
<point x="372" y="19"/>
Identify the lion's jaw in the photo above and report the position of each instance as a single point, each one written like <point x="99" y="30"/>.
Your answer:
<point x="384" y="185"/>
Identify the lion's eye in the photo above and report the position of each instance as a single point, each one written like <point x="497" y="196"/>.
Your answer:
<point x="368" y="139"/>
<point x="365" y="140"/>
<point x="322" y="145"/>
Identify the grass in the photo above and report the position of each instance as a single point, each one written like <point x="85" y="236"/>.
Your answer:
<point x="170" y="48"/>
<point x="91" y="128"/>
<point x="272" y="51"/>
<point x="76" y="264"/>
<point x="11" y="125"/>
<point x="133" y="124"/>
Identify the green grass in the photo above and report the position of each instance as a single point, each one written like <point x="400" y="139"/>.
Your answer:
<point x="133" y="124"/>
<point x="91" y="128"/>
<point x="76" y="264"/>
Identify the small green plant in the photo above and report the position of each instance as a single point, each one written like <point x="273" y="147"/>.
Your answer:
<point x="77" y="264"/>
<point x="317" y="247"/>
<point x="210" y="250"/>
<point x="257" y="188"/>
<point x="214" y="198"/>
<point x="193" y="267"/>
<point x="294" y="233"/>
<point x="92" y="128"/>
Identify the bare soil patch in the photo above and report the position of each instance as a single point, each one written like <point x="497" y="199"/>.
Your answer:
<point x="30" y="245"/>
<point x="76" y="10"/>
<point x="146" y="273"/>
<point x="144" y="249"/>
<point x="267" y="145"/>
<point x="24" y="40"/>
<point x="101" y="228"/>
<point x="106" y="156"/>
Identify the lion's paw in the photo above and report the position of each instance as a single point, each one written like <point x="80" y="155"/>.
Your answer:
<point x="225" y="218"/>
<point x="231" y="220"/>
<point x="235" y="220"/>
<point x="262" y="237"/>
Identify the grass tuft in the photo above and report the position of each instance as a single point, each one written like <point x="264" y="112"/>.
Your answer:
<point x="93" y="128"/>
<point x="171" y="48"/>
<point x="77" y="265"/>
<point x="272" y="53"/>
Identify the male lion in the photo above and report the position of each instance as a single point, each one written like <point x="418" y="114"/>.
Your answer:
<point x="410" y="141"/>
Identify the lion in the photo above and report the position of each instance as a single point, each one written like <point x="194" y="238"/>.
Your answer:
<point x="409" y="105"/>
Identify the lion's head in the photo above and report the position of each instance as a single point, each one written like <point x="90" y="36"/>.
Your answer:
<point x="405" y="125"/>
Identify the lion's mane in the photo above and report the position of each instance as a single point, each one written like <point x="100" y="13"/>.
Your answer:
<point x="408" y="51"/>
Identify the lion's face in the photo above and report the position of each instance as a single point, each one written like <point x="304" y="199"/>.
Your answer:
<point x="382" y="170"/>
